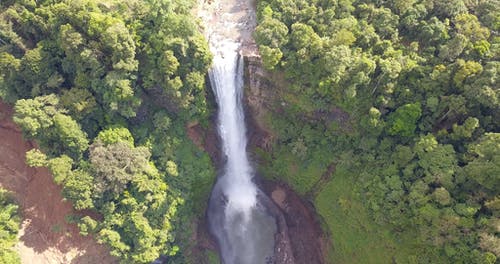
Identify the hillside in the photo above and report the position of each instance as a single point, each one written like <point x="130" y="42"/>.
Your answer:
<point x="107" y="90"/>
<point x="45" y="235"/>
<point x="374" y="125"/>
<point x="403" y="97"/>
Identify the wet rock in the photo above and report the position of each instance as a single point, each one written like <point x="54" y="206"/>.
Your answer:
<point x="300" y="238"/>
<point x="283" y="253"/>
<point x="258" y="97"/>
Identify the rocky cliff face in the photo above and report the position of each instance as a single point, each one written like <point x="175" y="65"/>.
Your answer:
<point x="300" y="238"/>
<point x="259" y="97"/>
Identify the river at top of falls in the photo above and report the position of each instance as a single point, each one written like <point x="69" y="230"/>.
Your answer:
<point x="243" y="228"/>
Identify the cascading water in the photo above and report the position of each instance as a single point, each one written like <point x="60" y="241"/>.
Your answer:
<point x="244" y="230"/>
<point x="227" y="80"/>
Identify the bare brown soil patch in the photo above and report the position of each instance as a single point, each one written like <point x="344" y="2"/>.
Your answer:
<point x="45" y="237"/>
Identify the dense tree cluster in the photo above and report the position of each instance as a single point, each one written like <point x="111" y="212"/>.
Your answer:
<point x="419" y="81"/>
<point x="404" y="94"/>
<point x="9" y="226"/>
<point x="106" y="89"/>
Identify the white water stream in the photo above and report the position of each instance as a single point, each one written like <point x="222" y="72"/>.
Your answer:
<point x="226" y="77"/>
<point x="244" y="231"/>
<point x="236" y="214"/>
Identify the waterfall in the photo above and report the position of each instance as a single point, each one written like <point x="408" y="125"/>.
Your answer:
<point x="244" y="231"/>
<point x="227" y="81"/>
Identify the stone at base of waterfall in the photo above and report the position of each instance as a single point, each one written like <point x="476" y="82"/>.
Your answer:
<point x="279" y="197"/>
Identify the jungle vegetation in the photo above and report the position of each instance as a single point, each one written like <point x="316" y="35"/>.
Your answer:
<point x="9" y="227"/>
<point x="106" y="88"/>
<point x="403" y="98"/>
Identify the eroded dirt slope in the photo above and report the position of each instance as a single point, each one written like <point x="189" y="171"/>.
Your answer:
<point x="45" y="237"/>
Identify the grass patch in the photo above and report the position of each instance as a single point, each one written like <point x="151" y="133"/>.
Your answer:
<point x="213" y="257"/>
<point x="355" y="237"/>
<point x="300" y="174"/>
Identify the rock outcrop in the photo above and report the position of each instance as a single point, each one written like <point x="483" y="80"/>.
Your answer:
<point x="300" y="238"/>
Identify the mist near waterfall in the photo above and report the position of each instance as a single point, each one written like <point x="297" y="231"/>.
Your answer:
<point x="244" y="230"/>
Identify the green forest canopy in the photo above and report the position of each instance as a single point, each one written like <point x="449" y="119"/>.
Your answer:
<point x="9" y="226"/>
<point x="107" y="87"/>
<point x="418" y="81"/>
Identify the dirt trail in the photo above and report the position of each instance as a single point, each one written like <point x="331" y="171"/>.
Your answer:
<point x="45" y="237"/>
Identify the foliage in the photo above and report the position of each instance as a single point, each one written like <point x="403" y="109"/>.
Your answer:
<point x="484" y="168"/>
<point x="356" y="236"/>
<point x="405" y="96"/>
<point x="9" y="226"/>
<point x="106" y="89"/>
<point x="403" y="121"/>
<point x="115" y="165"/>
